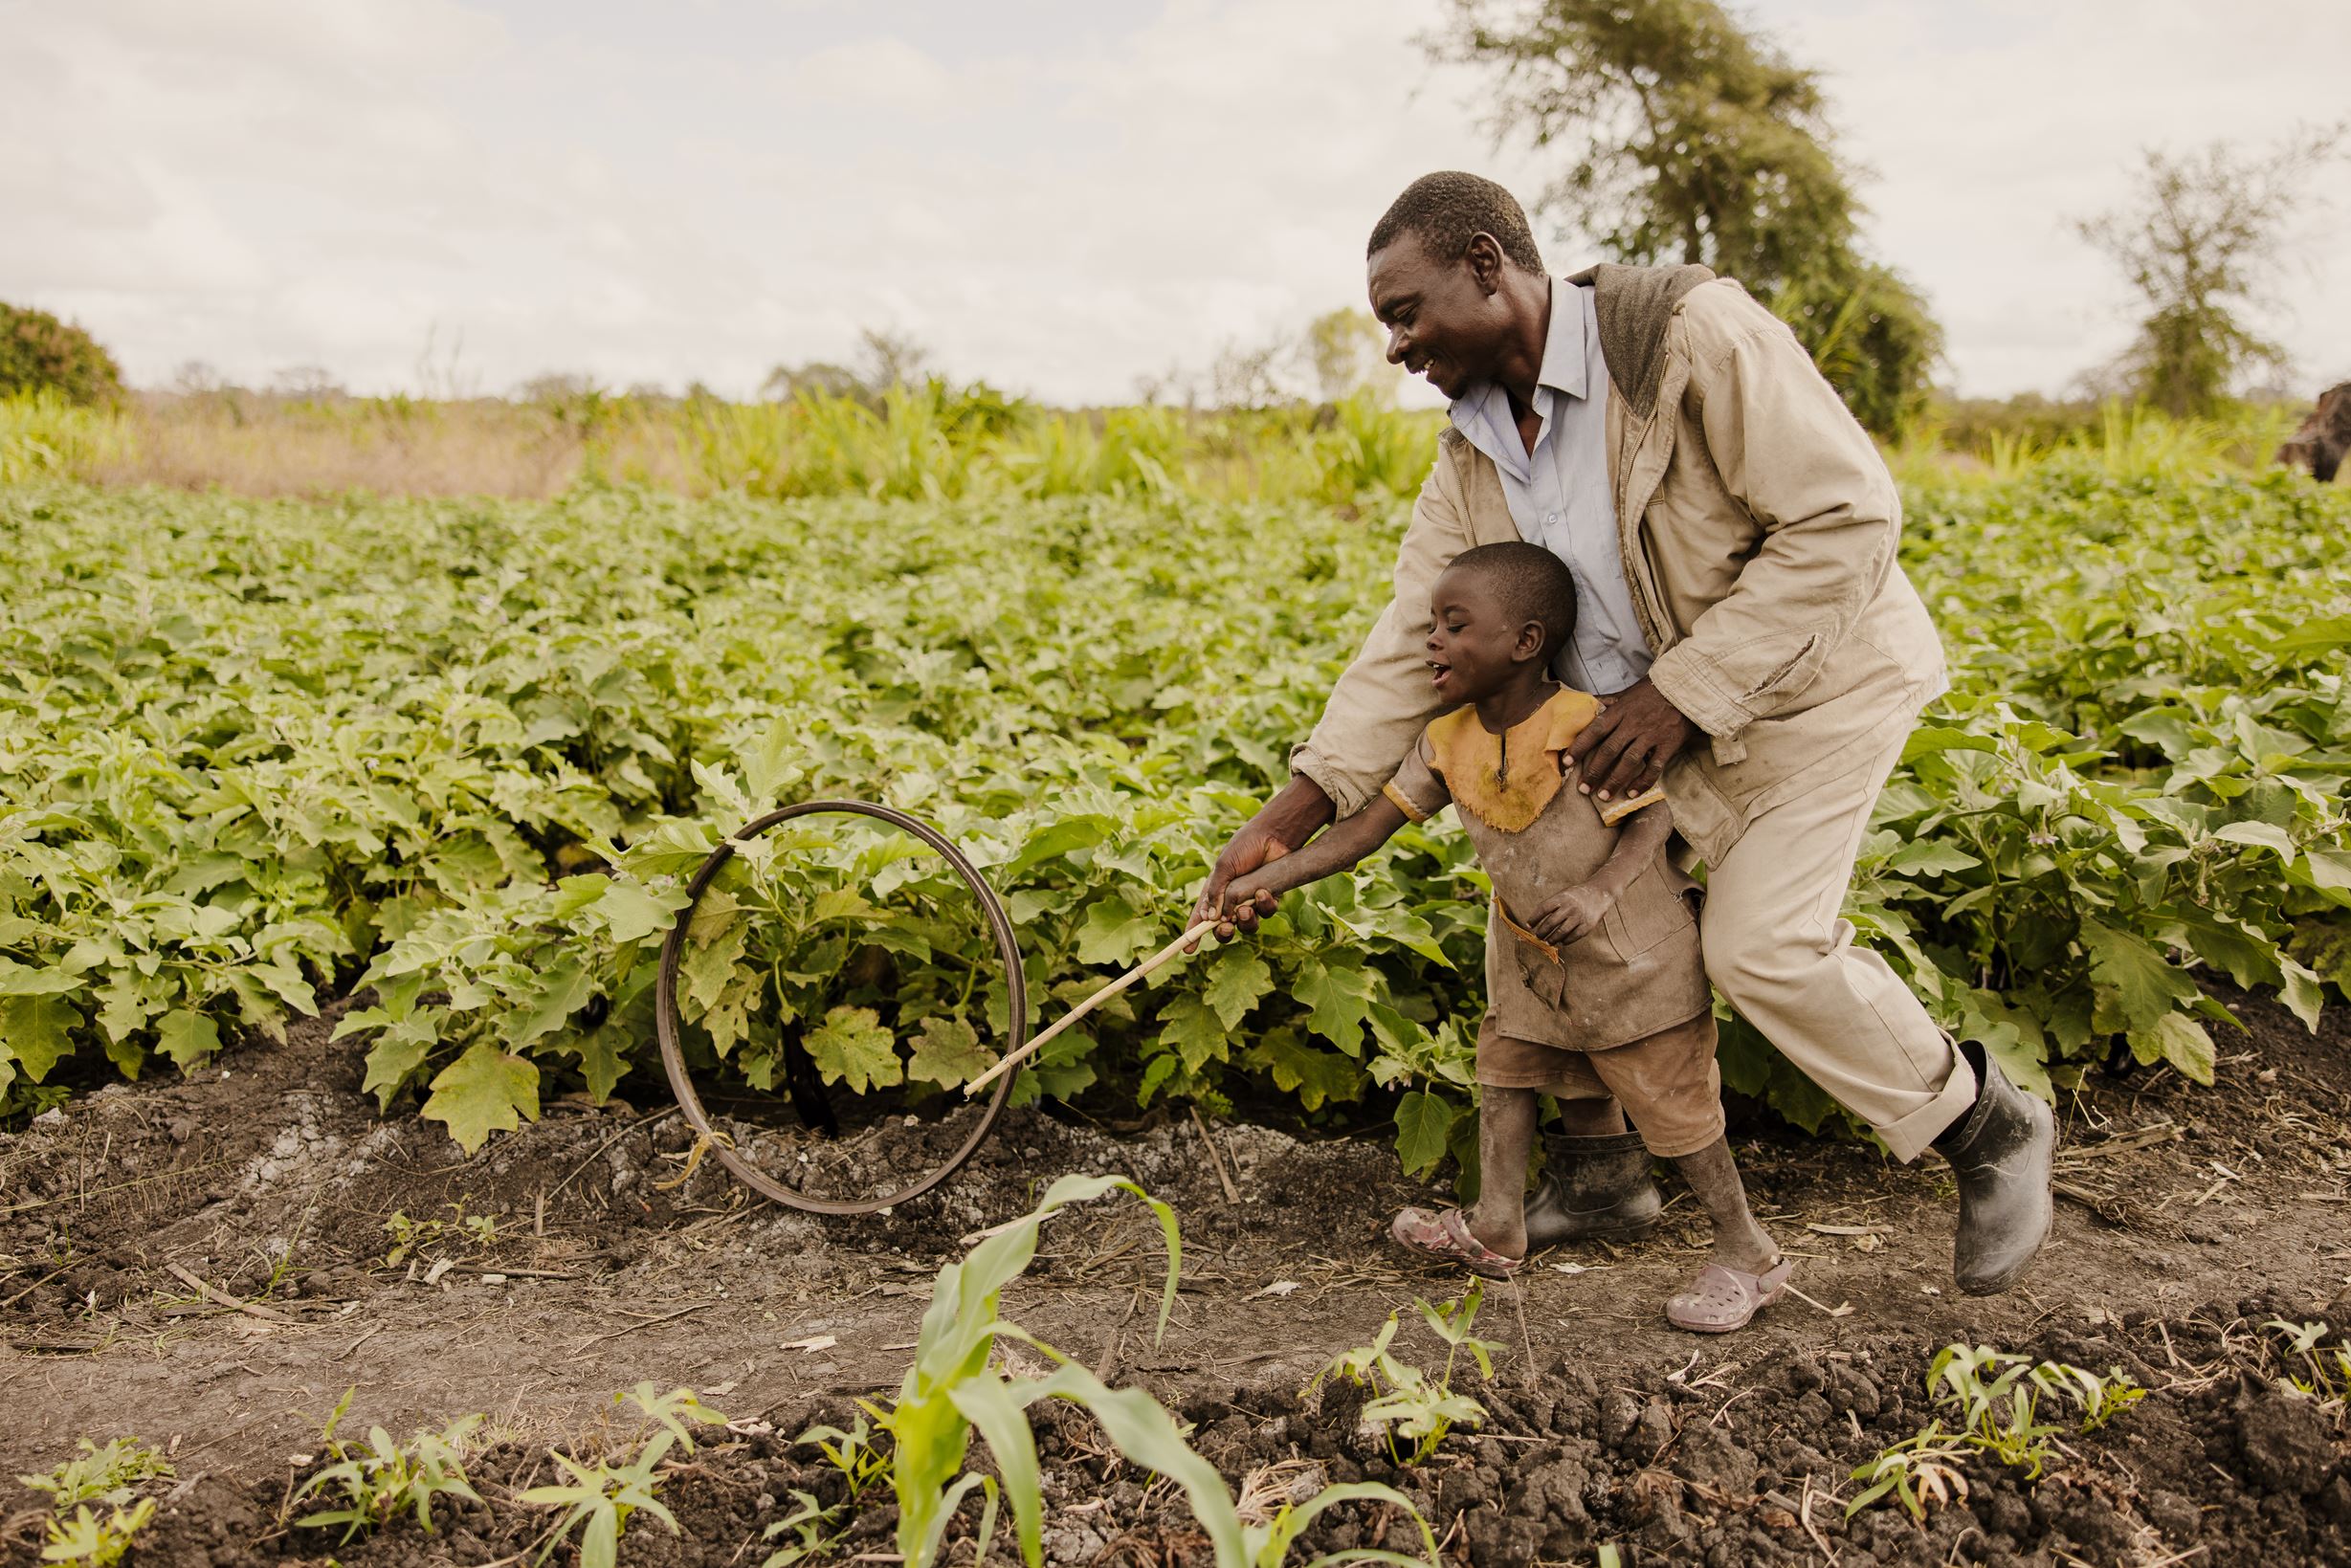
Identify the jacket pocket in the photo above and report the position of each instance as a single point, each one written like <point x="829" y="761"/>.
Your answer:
<point x="1545" y="978"/>
<point x="1785" y="676"/>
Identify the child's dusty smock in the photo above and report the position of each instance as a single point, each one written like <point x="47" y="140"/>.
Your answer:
<point x="1635" y="973"/>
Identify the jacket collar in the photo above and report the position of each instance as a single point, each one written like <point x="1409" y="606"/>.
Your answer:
<point x="1633" y="305"/>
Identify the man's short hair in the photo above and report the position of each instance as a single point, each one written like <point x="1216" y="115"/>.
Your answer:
<point x="1528" y="584"/>
<point x="1449" y="210"/>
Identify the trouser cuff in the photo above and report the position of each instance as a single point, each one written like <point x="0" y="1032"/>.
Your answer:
<point x="1909" y="1136"/>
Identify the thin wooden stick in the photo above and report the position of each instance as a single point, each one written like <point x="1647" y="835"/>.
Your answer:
<point x="1090" y="1002"/>
<point x="1232" y="1195"/>
<point x="222" y="1298"/>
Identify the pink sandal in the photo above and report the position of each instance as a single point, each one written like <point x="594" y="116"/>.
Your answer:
<point x="1721" y="1299"/>
<point x="1447" y="1235"/>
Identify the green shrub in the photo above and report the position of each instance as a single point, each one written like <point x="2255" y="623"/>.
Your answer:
<point x="40" y="353"/>
<point x="46" y="436"/>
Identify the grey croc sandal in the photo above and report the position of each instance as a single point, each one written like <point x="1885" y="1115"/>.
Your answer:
<point x="1721" y="1299"/>
<point x="1445" y="1235"/>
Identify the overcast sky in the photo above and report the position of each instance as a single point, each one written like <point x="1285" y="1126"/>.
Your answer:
<point x="1059" y="196"/>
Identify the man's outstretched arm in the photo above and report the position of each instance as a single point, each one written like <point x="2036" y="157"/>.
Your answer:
<point x="1372" y="718"/>
<point x="1283" y="824"/>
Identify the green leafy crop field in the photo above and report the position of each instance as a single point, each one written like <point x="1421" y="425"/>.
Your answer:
<point x="258" y="754"/>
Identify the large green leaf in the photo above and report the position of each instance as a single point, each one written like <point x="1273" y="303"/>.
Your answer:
<point x="850" y="1047"/>
<point x="2180" y="1040"/>
<point x="18" y="979"/>
<point x="189" y="1038"/>
<point x="1424" y="1123"/>
<point x="2137" y="986"/>
<point x="564" y="991"/>
<point x="1235" y="982"/>
<point x="35" y="1030"/>
<point x="1314" y="1076"/>
<point x="1192" y="1027"/>
<point x="946" y="1051"/>
<point x="1113" y="933"/>
<point x="398" y="1055"/>
<point x="1339" y="996"/>
<point x="632" y="912"/>
<point x="482" y="1091"/>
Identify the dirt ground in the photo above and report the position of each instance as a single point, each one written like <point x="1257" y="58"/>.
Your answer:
<point x="134" y="1217"/>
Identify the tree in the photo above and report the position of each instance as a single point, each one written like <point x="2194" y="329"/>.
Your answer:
<point x="1348" y="353"/>
<point x="560" y="387"/>
<point x="198" y="378"/>
<point x="2202" y="245"/>
<point x="1246" y="376"/>
<point x="1697" y="140"/>
<point x="891" y="358"/>
<point x="307" y="382"/>
<point x="820" y="378"/>
<point x="40" y="353"/>
<point x="1872" y="335"/>
<point x="885" y="359"/>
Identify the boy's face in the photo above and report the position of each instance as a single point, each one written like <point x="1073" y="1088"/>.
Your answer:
<point x="1475" y="650"/>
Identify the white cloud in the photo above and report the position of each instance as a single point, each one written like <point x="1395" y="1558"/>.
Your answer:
<point x="1056" y="197"/>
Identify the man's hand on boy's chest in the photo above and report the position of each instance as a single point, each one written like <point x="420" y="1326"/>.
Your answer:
<point x="1626" y="747"/>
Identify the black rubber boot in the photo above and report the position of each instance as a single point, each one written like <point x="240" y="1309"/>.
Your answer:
<point x="1592" y="1186"/>
<point x="2000" y="1152"/>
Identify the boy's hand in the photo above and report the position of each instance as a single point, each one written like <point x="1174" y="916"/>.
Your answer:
<point x="1571" y="913"/>
<point x="1284" y="823"/>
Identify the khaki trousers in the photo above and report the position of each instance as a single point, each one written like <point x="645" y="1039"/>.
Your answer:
<point x="1780" y="949"/>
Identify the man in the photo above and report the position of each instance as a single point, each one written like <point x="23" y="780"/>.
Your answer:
<point x="1731" y="530"/>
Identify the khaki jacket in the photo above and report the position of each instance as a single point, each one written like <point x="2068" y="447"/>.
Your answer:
<point x="1757" y="526"/>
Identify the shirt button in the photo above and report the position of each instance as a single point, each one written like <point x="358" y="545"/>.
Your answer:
<point x="1550" y="517"/>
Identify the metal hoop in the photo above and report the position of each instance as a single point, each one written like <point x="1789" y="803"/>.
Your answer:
<point x="667" y="1023"/>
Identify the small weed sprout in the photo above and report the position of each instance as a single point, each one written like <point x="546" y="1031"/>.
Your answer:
<point x="100" y="1475"/>
<point x="1406" y="1402"/>
<point x="94" y="1542"/>
<point x="372" y="1483"/>
<point x="852" y="1452"/>
<point x="412" y="1238"/>
<point x="1922" y="1471"/>
<point x="811" y="1522"/>
<point x="1997" y="1401"/>
<point x="2325" y="1374"/>
<point x="2098" y="1400"/>
<point x="671" y="1412"/>
<point x="1998" y="1416"/>
<point x="601" y="1499"/>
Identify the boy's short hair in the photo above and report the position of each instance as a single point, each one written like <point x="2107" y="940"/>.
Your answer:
<point x="1530" y="584"/>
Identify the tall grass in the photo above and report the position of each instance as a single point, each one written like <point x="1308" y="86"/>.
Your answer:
<point x="2120" y="440"/>
<point x="929" y="442"/>
<point x="43" y="435"/>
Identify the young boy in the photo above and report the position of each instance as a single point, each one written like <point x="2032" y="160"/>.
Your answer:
<point x="1595" y="989"/>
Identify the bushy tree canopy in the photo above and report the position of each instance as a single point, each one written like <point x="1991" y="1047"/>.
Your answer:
<point x="1696" y="139"/>
<point x="40" y="353"/>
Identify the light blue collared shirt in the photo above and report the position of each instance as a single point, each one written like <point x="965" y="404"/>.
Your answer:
<point x="1560" y="495"/>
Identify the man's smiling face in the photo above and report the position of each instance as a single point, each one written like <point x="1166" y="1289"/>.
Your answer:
<point x="1447" y="321"/>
